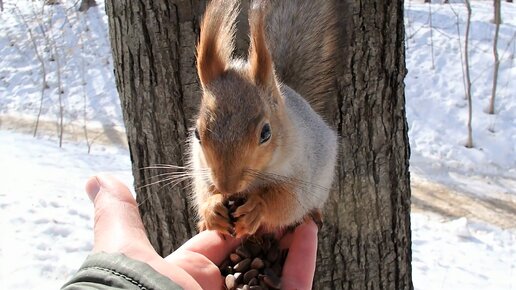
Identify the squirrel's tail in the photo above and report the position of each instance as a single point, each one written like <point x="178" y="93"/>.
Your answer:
<point x="302" y="36"/>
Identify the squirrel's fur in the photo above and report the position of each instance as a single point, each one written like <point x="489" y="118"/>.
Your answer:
<point x="286" y="175"/>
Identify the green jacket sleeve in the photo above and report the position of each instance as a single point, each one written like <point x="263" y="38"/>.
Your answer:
<point x="104" y="271"/>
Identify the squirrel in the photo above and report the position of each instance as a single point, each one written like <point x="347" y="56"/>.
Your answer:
<point x="256" y="134"/>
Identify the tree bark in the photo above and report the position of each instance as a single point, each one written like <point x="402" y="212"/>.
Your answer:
<point x="365" y="243"/>
<point x="153" y="45"/>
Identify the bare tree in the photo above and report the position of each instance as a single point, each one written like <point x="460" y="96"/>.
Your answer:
<point x="56" y="57"/>
<point x="457" y="25"/>
<point x="469" y="142"/>
<point x="39" y="56"/>
<point x="365" y="243"/>
<point x="497" y="20"/>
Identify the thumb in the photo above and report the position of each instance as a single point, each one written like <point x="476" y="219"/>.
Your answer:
<point x="118" y="226"/>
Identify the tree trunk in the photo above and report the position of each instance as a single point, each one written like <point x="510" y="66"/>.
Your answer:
<point x="497" y="21"/>
<point x="153" y="45"/>
<point x="365" y="243"/>
<point x="469" y="141"/>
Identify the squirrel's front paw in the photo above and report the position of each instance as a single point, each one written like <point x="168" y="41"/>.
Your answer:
<point x="215" y="216"/>
<point x="249" y="216"/>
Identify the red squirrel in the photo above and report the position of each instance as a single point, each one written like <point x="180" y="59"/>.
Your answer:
<point x="256" y="134"/>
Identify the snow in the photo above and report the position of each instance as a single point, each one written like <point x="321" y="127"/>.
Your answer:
<point x="80" y="42"/>
<point x="46" y="217"/>
<point x="436" y="105"/>
<point x="464" y="200"/>
<point x="459" y="254"/>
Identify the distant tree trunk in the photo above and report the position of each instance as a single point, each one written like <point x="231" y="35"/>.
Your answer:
<point x="1" y="5"/>
<point x="497" y="20"/>
<point x="469" y="142"/>
<point x="509" y="1"/>
<point x="365" y="243"/>
<point x="87" y="4"/>
<point x="431" y="34"/>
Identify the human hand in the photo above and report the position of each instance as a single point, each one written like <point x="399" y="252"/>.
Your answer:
<point x="118" y="228"/>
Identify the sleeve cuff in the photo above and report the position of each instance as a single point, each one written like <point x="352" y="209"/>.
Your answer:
<point x="117" y="271"/>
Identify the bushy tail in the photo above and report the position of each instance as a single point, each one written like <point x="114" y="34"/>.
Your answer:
<point x="302" y="36"/>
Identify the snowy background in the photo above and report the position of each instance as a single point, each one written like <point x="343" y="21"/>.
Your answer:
<point x="464" y="200"/>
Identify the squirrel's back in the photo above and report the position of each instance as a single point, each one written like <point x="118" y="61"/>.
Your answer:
<point x="302" y="38"/>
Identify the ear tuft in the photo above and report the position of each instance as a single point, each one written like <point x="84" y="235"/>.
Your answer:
<point x="261" y="67"/>
<point x="216" y="42"/>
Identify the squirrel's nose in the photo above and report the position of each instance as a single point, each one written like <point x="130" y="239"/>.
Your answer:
<point x="228" y="185"/>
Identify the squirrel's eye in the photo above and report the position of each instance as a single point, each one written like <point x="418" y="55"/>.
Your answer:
<point x="197" y="136"/>
<point x="266" y="133"/>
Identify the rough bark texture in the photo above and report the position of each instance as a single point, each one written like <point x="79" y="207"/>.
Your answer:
<point x="153" y="48"/>
<point x="365" y="243"/>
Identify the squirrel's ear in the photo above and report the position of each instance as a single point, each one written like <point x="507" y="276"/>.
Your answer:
<point x="261" y="68"/>
<point x="216" y="42"/>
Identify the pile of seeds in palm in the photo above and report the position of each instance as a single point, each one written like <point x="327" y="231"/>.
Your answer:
<point x="256" y="264"/>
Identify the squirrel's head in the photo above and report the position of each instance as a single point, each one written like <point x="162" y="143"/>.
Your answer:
<point x="240" y="122"/>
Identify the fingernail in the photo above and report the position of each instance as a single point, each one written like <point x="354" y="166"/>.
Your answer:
<point x="92" y="188"/>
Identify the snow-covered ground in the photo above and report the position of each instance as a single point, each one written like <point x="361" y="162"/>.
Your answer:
<point x="466" y="240"/>
<point x="46" y="218"/>
<point x="436" y="106"/>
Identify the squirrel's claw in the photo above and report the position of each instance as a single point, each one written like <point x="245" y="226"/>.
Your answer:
<point x="215" y="216"/>
<point x="249" y="216"/>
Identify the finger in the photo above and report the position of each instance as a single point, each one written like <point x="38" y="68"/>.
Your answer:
<point x="199" y="267"/>
<point x="299" y="268"/>
<point x="210" y="244"/>
<point x="201" y="255"/>
<point x="118" y="225"/>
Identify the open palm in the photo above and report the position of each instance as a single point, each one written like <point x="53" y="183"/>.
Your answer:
<point x="118" y="228"/>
